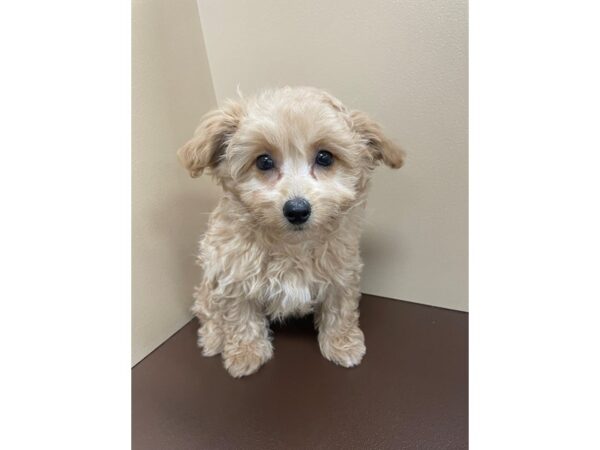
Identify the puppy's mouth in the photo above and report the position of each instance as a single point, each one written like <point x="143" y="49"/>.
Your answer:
<point x="298" y="227"/>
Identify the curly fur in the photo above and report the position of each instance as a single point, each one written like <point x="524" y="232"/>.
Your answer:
<point x="256" y="265"/>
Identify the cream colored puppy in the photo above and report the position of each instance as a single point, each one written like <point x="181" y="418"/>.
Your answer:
<point x="294" y="165"/>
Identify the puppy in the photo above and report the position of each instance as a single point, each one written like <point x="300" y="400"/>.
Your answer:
<point x="294" y="165"/>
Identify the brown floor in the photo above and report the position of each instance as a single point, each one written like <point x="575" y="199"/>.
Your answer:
<point x="410" y="392"/>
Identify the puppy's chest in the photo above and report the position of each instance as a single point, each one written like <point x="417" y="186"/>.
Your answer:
<point x="293" y="284"/>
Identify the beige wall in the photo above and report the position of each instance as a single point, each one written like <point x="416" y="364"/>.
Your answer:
<point x="171" y="89"/>
<point x="405" y="63"/>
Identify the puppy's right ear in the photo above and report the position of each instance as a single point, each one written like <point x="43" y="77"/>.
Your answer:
<point x="207" y="147"/>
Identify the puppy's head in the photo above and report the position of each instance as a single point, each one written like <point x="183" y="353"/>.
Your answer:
<point x="295" y="158"/>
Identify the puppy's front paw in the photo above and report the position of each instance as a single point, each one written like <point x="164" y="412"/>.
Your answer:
<point x="210" y="339"/>
<point x="246" y="358"/>
<point x="346" y="349"/>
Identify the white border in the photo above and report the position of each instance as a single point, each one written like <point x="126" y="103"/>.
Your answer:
<point x="65" y="183"/>
<point x="534" y="225"/>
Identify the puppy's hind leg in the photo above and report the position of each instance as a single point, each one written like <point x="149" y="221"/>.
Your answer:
<point x="210" y="333"/>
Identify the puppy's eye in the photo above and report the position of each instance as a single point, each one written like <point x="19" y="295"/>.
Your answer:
<point x="324" y="158"/>
<point x="264" y="162"/>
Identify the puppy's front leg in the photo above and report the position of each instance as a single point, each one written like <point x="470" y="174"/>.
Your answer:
<point x="340" y="339"/>
<point x="247" y="345"/>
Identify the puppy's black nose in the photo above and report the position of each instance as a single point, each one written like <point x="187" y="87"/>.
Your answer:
<point x="296" y="210"/>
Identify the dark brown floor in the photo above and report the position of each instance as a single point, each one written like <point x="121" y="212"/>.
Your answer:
<point x="410" y="392"/>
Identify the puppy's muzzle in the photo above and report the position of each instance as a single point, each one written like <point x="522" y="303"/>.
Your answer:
<point x="296" y="210"/>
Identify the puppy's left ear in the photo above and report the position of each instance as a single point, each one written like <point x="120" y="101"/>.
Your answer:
<point x="380" y="147"/>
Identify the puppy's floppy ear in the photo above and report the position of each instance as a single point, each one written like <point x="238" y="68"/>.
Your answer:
<point x="380" y="147"/>
<point x="207" y="147"/>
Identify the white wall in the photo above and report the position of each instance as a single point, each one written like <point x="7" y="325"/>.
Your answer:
<point x="171" y="89"/>
<point x="403" y="62"/>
